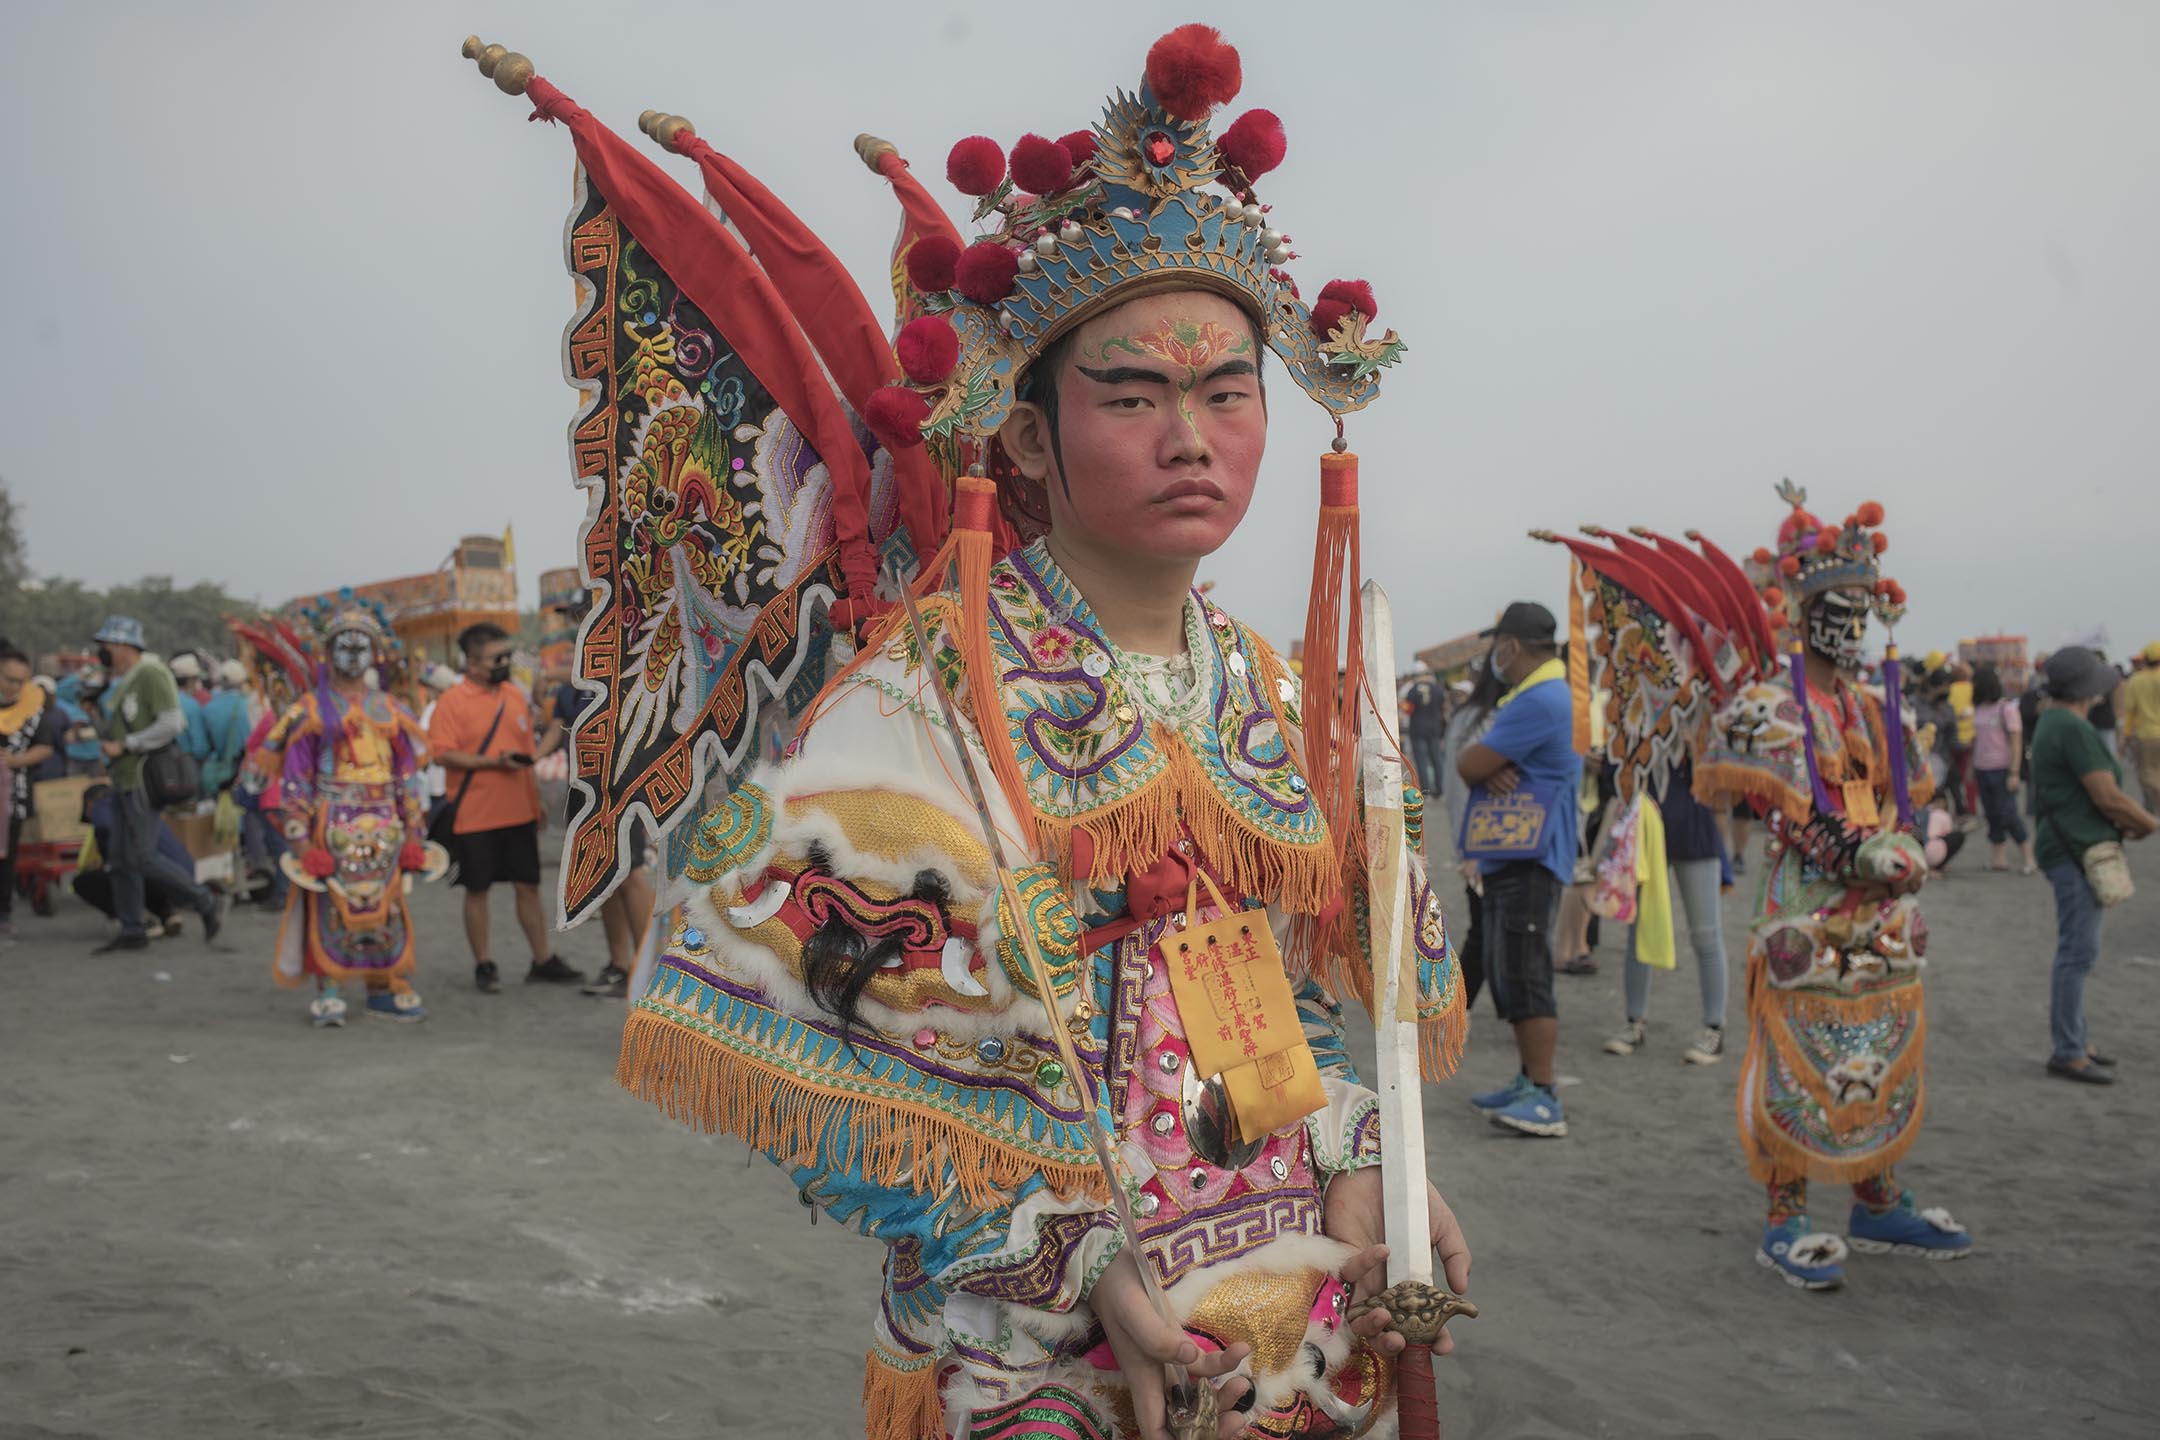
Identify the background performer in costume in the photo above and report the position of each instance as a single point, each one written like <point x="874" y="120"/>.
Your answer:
<point x="1833" y="1085"/>
<point x="354" y="812"/>
<point x="842" y="987"/>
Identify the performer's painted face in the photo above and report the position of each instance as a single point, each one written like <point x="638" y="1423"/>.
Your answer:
<point x="351" y="653"/>
<point x="1161" y="424"/>
<point x="1836" y="626"/>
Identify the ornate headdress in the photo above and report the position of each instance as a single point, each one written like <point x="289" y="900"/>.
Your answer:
<point x="1812" y="558"/>
<point x="1148" y="200"/>
<point x="755" y="438"/>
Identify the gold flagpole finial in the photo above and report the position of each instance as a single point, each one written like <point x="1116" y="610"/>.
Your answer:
<point x="510" y="71"/>
<point x="869" y="148"/>
<point x="665" y="129"/>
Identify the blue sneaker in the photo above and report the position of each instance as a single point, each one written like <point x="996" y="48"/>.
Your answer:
<point x="1806" y="1260"/>
<point x="1904" y="1230"/>
<point x="396" y="1005"/>
<point x="1492" y="1102"/>
<point x="1536" y="1112"/>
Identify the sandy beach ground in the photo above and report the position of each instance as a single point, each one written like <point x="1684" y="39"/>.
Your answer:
<point x="216" y="1222"/>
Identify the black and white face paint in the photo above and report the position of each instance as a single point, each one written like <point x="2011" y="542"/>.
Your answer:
<point x="1836" y="627"/>
<point x="351" y="653"/>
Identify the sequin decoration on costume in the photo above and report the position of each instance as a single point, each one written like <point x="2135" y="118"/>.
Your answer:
<point x="730" y="834"/>
<point x="711" y="548"/>
<point x="1048" y="915"/>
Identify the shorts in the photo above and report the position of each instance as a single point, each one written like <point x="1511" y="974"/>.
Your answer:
<point x="508" y="856"/>
<point x="1522" y="901"/>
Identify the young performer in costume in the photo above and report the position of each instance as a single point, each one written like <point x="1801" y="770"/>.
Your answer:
<point x="1833" y="1085"/>
<point x="354" y="806"/>
<point x="844" y="987"/>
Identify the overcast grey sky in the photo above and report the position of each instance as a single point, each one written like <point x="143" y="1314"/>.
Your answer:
<point x="287" y="291"/>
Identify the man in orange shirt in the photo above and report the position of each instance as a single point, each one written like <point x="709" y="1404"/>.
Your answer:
<point x="482" y="734"/>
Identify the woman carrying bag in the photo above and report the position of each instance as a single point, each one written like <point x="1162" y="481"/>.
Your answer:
<point x="2084" y="816"/>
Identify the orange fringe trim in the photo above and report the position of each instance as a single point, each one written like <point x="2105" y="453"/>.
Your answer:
<point x="888" y="1141"/>
<point x="1334" y="626"/>
<point x="1776" y="1153"/>
<point x="1715" y="780"/>
<point x="1441" y="1039"/>
<point x="1578" y="658"/>
<point x="901" y="1403"/>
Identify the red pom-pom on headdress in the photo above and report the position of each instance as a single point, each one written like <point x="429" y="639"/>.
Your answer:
<point x="931" y="261"/>
<point x="1774" y="598"/>
<point x="927" y="349"/>
<point x="1762" y="555"/>
<point x="1191" y="70"/>
<point x="1041" y="166"/>
<point x="985" y="272"/>
<point x="1897" y="593"/>
<point x="1254" y="143"/>
<point x="1080" y="145"/>
<point x="1871" y="513"/>
<point x="1789" y="566"/>
<point x="976" y="165"/>
<point x="1337" y="299"/>
<point x="1880" y="541"/>
<point x="1825" y="542"/>
<point x="895" y="415"/>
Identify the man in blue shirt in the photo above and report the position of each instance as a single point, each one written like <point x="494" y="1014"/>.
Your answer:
<point x="1530" y="748"/>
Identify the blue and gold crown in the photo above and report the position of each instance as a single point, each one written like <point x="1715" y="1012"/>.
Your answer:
<point x="1147" y="200"/>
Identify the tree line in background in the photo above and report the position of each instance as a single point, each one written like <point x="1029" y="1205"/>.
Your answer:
<point x="42" y="616"/>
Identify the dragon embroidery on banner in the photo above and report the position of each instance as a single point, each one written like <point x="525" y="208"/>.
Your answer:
<point x="709" y="543"/>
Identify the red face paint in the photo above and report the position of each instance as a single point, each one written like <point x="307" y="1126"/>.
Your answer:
<point x="1161" y="427"/>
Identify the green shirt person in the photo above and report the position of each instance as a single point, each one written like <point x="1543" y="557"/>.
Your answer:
<point x="2078" y="803"/>
<point x="142" y="714"/>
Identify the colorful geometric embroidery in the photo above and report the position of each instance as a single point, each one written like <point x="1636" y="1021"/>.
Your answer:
<point x="729" y="835"/>
<point x="1050" y="918"/>
<point x="1051" y="1413"/>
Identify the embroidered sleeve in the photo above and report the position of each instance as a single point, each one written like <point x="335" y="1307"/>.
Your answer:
<point x="298" y="738"/>
<point x="408" y="763"/>
<point x="939" y="1118"/>
<point x="1345" y="1134"/>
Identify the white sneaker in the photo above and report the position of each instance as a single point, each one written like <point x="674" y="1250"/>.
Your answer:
<point x="1628" y="1041"/>
<point x="327" y="1010"/>
<point x="1708" y="1049"/>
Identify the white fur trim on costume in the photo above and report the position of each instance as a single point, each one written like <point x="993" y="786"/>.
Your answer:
<point x="1818" y="1249"/>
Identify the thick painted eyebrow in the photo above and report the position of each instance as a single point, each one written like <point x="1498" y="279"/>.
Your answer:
<point x="1124" y="375"/>
<point x="1233" y="367"/>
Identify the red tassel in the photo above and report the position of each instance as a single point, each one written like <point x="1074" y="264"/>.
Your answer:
<point x="1335" y="626"/>
<point x="973" y="540"/>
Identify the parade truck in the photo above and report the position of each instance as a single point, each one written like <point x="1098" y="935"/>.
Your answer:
<point x="477" y="581"/>
<point x="2005" y="652"/>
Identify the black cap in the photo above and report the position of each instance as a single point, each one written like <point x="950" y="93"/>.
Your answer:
<point x="2076" y="673"/>
<point x="1524" y="620"/>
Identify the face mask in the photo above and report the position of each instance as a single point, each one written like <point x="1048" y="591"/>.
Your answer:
<point x="350" y="655"/>
<point x="499" y="671"/>
<point x="104" y="656"/>
<point x="1836" y="628"/>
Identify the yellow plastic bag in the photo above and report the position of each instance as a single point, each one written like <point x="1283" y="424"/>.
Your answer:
<point x="1653" y="911"/>
<point x="226" y="824"/>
